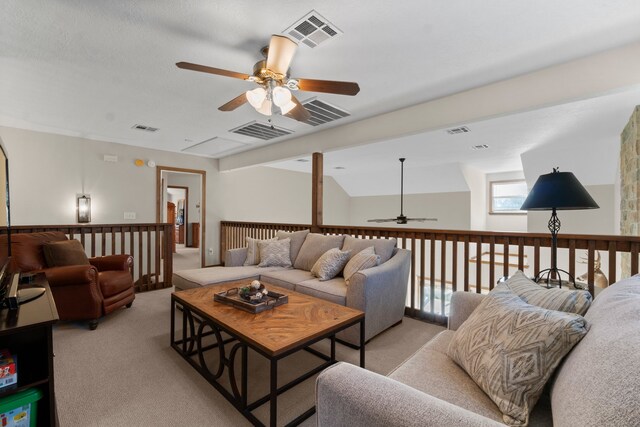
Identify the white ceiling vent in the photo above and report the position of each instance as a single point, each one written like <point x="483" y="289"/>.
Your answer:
<point x="259" y="130"/>
<point x="145" y="128"/>
<point x="479" y="147"/>
<point x="456" y="131"/>
<point x="322" y="112"/>
<point x="312" y="30"/>
<point x="215" y="146"/>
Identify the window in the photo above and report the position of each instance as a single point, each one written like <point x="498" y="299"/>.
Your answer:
<point x="506" y="197"/>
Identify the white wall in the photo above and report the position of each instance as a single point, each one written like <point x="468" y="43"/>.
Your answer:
<point x="503" y="222"/>
<point x="47" y="171"/>
<point x="588" y="221"/>
<point x="451" y="210"/>
<point x="478" y="197"/>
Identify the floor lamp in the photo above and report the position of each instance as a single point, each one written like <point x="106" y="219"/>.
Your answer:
<point x="552" y="192"/>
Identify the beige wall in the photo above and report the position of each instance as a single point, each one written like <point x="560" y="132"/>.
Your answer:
<point x="47" y="171"/>
<point x="451" y="209"/>
<point x="477" y="198"/>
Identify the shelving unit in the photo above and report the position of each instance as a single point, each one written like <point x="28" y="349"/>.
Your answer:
<point x="27" y="333"/>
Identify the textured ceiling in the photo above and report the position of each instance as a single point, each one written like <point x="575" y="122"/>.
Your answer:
<point x="96" y="68"/>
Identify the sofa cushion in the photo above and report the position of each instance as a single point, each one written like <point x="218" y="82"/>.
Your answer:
<point x="605" y="363"/>
<point x="570" y="301"/>
<point x="431" y="371"/>
<point x="114" y="282"/>
<point x="313" y="247"/>
<point x="334" y="290"/>
<point x="286" y="278"/>
<point x="64" y="252"/>
<point x="275" y="253"/>
<point x="297" y="239"/>
<point x="382" y="247"/>
<point x="330" y="264"/>
<point x="364" y="259"/>
<point x="253" y="250"/>
<point x="187" y="279"/>
<point x="511" y="348"/>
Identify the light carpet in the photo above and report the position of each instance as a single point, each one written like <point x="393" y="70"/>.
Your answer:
<point x="126" y="373"/>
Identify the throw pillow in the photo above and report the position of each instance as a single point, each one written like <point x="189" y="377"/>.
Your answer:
<point x="275" y="253"/>
<point x="313" y="247"/>
<point x="511" y="348"/>
<point x="364" y="259"/>
<point x="330" y="264"/>
<point x="383" y="247"/>
<point x="570" y="301"/>
<point x="253" y="251"/>
<point x="297" y="239"/>
<point x="65" y="252"/>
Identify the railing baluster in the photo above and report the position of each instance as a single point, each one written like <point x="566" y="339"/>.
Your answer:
<point x="443" y="272"/>
<point x="479" y="266"/>
<point x="413" y="276"/>
<point x="492" y="262"/>
<point x="590" y="265"/>
<point x="612" y="262"/>
<point x="466" y="264"/>
<point x="454" y="263"/>
<point x="572" y="257"/>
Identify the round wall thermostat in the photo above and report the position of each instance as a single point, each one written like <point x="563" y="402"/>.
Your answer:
<point x="151" y="164"/>
<point x="138" y="162"/>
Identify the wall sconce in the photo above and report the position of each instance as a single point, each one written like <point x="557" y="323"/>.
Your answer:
<point x="84" y="208"/>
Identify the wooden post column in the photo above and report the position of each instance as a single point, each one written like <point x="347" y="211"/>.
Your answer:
<point x="316" y="192"/>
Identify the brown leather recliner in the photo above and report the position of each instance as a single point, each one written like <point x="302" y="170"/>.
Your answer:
<point x="81" y="292"/>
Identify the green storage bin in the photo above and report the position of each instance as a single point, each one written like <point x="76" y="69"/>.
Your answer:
<point x="20" y="409"/>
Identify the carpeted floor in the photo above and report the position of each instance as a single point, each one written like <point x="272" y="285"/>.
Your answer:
<point x="125" y="372"/>
<point x="186" y="258"/>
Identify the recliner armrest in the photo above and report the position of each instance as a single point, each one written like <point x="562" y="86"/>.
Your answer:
<point x="347" y="395"/>
<point x="235" y="257"/>
<point x="112" y="262"/>
<point x="71" y="275"/>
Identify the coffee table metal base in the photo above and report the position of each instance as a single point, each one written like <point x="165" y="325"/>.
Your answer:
<point x="190" y="344"/>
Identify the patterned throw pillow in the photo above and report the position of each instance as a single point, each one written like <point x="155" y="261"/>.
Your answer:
<point x="511" y="348"/>
<point x="253" y="251"/>
<point x="569" y="301"/>
<point x="330" y="264"/>
<point x="364" y="259"/>
<point x="275" y="253"/>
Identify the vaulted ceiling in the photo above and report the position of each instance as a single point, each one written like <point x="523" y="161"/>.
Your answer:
<point x="96" y="69"/>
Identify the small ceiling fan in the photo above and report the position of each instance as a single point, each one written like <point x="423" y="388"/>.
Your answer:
<point x="275" y="85"/>
<point x="401" y="219"/>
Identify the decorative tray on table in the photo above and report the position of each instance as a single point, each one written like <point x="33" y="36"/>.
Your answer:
<point x="254" y="298"/>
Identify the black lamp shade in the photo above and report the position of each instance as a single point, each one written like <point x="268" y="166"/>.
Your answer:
<point x="559" y="190"/>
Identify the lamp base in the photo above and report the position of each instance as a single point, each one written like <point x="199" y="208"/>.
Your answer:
<point x="546" y="276"/>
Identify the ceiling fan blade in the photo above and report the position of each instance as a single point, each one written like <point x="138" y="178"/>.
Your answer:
<point x="422" y="219"/>
<point x="281" y="51"/>
<point x="382" y="220"/>
<point x="211" y="70"/>
<point x="234" y="103"/>
<point x="299" y="112"/>
<point x="328" y="86"/>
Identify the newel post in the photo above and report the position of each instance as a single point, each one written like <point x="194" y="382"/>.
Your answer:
<point x="316" y="192"/>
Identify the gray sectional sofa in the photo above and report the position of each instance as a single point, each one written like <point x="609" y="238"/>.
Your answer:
<point x="379" y="291"/>
<point x="597" y="384"/>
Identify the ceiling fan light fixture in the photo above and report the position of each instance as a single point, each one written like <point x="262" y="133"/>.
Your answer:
<point x="287" y="107"/>
<point x="265" y="108"/>
<point x="281" y="96"/>
<point x="256" y="97"/>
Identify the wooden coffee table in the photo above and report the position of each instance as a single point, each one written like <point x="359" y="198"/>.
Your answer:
<point x="274" y="334"/>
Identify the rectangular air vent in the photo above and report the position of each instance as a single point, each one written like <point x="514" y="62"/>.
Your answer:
<point x="479" y="147"/>
<point x="322" y="112"/>
<point x="261" y="130"/>
<point x="144" y="128"/>
<point x="312" y="30"/>
<point x="456" y="131"/>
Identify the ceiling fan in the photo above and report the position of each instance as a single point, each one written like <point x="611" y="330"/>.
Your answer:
<point x="401" y="219"/>
<point x="275" y="85"/>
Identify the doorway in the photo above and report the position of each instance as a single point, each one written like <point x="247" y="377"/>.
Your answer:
<point x="185" y="189"/>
